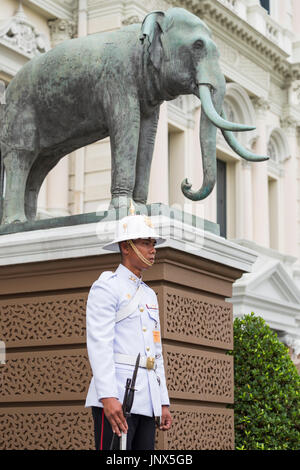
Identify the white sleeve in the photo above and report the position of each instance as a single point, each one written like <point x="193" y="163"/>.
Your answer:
<point x="101" y="310"/>
<point x="161" y="374"/>
<point x="161" y="370"/>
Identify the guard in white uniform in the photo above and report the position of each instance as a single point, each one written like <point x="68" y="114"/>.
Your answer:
<point x="123" y="321"/>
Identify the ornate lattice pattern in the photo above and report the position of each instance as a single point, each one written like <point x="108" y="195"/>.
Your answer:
<point x="193" y="319"/>
<point x="46" y="375"/>
<point x="68" y="429"/>
<point x="202" y="376"/>
<point x="43" y="320"/>
<point x="63" y="429"/>
<point x="201" y="430"/>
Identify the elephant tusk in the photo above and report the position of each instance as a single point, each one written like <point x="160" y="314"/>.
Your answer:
<point x="213" y="116"/>
<point x="238" y="148"/>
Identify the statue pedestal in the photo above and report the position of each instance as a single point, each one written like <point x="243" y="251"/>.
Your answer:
<point x="45" y="278"/>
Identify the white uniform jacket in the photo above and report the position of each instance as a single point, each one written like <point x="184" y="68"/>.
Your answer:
<point x="138" y="333"/>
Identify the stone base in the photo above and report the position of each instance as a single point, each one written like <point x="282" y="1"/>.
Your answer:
<point x="47" y="373"/>
<point x="152" y="210"/>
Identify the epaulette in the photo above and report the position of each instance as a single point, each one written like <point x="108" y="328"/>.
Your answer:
<point x="106" y="275"/>
<point x="146" y="285"/>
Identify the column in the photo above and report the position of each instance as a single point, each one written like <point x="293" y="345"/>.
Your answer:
<point x="82" y="18"/>
<point x="244" y="200"/>
<point x="260" y="178"/>
<point x="177" y="156"/>
<point x="42" y="200"/>
<point x="58" y="189"/>
<point x="289" y="125"/>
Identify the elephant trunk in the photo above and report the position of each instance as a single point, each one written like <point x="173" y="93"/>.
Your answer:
<point x="208" y="132"/>
<point x="211" y="108"/>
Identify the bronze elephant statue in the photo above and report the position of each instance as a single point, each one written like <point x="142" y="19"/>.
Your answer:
<point x="111" y="84"/>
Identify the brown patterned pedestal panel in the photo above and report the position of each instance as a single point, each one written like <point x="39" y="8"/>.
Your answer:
<point x="46" y="376"/>
<point x="40" y="427"/>
<point x="198" y="428"/>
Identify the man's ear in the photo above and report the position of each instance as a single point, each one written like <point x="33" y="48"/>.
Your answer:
<point x="124" y="248"/>
<point x="151" y="31"/>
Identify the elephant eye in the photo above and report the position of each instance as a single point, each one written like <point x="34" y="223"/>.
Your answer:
<point x="199" y="44"/>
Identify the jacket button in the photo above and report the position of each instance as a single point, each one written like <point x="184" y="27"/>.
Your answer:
<point x="141" y="309"/>
<point x="144" y="328"/>
<point x="147" y="348"/>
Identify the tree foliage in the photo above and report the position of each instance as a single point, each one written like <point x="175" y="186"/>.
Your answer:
<point x="267" y="385"/>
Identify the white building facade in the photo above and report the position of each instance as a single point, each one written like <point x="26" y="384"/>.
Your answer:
<point x="256" y="204"/>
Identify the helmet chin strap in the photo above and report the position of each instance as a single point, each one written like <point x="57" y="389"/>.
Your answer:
<point x="139" y="254"/>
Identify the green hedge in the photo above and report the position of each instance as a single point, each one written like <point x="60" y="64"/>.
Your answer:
<point x="267" y="386"/>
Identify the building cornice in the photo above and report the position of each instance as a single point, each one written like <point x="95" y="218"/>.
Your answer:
<point x="223" y="19"/>
<point x="219" y="17"/>
<point x="53" y="8"/>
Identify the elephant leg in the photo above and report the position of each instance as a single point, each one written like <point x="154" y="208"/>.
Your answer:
<point x="144" y="157"/>
<point x="124" y="138"/>
<point x="31" y="194"/>
<point x="17" y="165"/>
<point x="38" y="172"/>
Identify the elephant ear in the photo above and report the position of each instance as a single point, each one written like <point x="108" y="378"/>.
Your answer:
<point x="151" y="31"/>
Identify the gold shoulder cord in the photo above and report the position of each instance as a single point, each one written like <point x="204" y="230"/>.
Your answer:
<point x="138" y="253"/>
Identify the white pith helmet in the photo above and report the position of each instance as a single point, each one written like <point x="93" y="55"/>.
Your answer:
<point x="132" y="227"/>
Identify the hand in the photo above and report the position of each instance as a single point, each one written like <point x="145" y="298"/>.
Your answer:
<point x="166" y="418"/>
<point x="114" y="413"/>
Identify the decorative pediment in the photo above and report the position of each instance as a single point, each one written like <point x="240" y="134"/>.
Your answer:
<point x="19" y="34"/>
<point x="269" y="291"/>
<point x="269" y="280"/>
<point x="274" y="283"/>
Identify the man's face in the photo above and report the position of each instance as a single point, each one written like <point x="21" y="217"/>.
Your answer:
<point x="146" y="247"/>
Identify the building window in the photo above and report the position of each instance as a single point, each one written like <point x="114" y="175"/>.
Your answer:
<point x="266" y="5"/>
<point x="278" y="149"/>
<point x="221" y="197"/>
